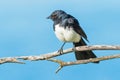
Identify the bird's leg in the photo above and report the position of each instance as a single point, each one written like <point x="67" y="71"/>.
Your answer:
<point x="61" y="49"/>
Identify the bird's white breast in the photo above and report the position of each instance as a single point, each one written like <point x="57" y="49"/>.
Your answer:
<point x="66" y="34"/>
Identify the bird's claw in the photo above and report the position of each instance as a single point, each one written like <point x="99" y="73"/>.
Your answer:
<point x="60" y="51"/>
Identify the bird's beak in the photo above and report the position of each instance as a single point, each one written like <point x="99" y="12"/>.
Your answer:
<point x="49" y="17"/>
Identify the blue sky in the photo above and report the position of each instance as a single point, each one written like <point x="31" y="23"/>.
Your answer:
<point x="24" y="30"/>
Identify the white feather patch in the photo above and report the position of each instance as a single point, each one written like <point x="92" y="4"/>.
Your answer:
<point x="66" y="34"/>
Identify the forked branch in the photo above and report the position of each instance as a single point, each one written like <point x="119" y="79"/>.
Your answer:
<point x="48" y="56"/>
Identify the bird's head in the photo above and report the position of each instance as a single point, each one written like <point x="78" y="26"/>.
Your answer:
<point x="56" y="15"/>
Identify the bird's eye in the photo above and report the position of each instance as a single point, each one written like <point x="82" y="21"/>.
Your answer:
<point x="54" y="16"/>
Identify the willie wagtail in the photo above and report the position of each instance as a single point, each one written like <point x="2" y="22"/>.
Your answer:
<point x="67" y="29"/>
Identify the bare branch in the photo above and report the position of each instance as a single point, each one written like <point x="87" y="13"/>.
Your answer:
<point x="91" y="60"/>
<point x="54" y="54"/>
<point x="10" y="60"/>
<point x="98" y="47"/>
<point x="63" y="64"/>
<point x="60" y="62"/>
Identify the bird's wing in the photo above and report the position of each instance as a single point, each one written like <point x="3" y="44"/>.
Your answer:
<point x="72" y="22"/>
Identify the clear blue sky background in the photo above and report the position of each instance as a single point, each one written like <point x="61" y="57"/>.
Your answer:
<point x="24" y="30"/>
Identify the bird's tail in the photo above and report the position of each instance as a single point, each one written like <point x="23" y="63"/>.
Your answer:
<point x="82" y="55"/>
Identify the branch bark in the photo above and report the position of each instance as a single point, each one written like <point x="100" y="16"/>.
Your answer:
<point x="49" y="56"/>
<point x="54" y="54"/>
<point x="63" y="64"/>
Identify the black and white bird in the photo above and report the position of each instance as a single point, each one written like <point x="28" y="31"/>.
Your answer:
<point x="67" y="29"/>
